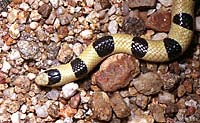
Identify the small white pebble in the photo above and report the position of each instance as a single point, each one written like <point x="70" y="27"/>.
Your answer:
<point x="54" y="3"/>
<point x="77" y="48"/>
<point x="12" y="16"/>
<point x="31" y="76"/>
<point x="5" y="47"/>
<point x="15" y="117"/>
<point x="68" y="120"/>
<point x="14" y="31"/>
<point x="53" y="94"/>
<point x="24" y="6"/>
<point x="166" y="3"/>
<point x="112" y="10"/>
<point x="59" y="121"/>
<point x="113" y="26"/>
<point x="34" y="25"/>
<point x="86" y="34"/>
<point x="15" y="54"/>
<point x="159" y="36"/>
<point x="35" y="16"/>
<point x="56" y="23"/>
<point x="197" y="24"/>
<point x="69" y="90"/>
<point x="4" y="14"/>
<point x="6" y="66"/>
<point x="89" y="3"/>
<point x="41" y="111"/>
<point x="23" y="108"/>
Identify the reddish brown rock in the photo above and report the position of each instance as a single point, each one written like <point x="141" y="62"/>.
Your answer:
<point x="119" y="106"/>
<point x="105" y="4"/>
<point x="158" y="112"/>
<point x="45" y="10"/>
<point x="3" y="77"/>
<point x="141" y="3"/>
<point x="188" y="86"/>
<point x="100" y="104"/>
<point x="74" y="101"/>
<point x="116" y="72"/>
<point x="159" y="21"/>
<point x="62" y="31"/>
<point x="142" y="100"/>
<point x="148" y="83"/>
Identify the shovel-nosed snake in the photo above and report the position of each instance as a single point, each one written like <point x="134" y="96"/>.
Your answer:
<point x="178" y="40"/>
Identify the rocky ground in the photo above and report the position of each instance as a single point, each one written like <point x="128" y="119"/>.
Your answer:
<point x="38" y="34"/>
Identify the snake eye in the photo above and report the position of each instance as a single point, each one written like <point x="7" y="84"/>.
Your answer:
<point x="54" y="76"/>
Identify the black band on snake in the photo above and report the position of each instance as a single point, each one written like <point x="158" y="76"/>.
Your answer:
<point x="178" y="40"/>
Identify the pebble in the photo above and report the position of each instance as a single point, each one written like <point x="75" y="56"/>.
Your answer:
<point x="9" y="92"/>
<point x="166" y="3"/>
<point x="24" y="108"/>
<point x="141" y="3"/>
<point x="159" y="36"/>
<point x="181" y="90"/>
<point x="51" y="18"/>
<point x="12" y="16"/>
<point x="53" y="110"/>
<point x="45" y="10"/>
<point x="158" y="112"/>
<point x="53" y="94"/>
<point x="65" y="54"/>
<point x="79" y="114"/>
<point x="148" y="83"/>
<point x="14" y="54"/>
<point x="105" y="4"/>
<point x="24" y="6"/>
<point x="112" y="10"/>
<point x="141" y="117"/>
<point x="31" y="76"/>
<point x="116" y="72"/>
<point x="133" y="25"/>
<point x="161" y="17"/>
<point x="169" y="80"/>
<point x="68" y="111"/>
<point x="23" y="17"/>
<point x="119" y="106"/>
<point x="3" y="80"/>
<point x="77" y="48"/>
<point x="13" y="106"/>
<point x="142" y="101"/>
<point x="40" y="33"/>
<point x="166" y="98"/>
<point x="89" y="3"/>
<point x="75" y="101"/>
<point x="197" y="24"/>
<point x="69" y="90"/>
<point x="35" y="16"/>
<point x="14" y="31"/>
<point x="62" y="31"/>
<point x="15" y="117"/>
<point x="100" y="105"/>
<point x="6" y="66"/>
<point x="54" y="3"/>
<point x="41" y="111"/>
<point x="86" y="34"/>
<point x="28" y="49"/>
<point x="113" y="27"/>
<point x="34" y="25"/>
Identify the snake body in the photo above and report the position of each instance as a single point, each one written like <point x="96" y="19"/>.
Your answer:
<point x="178" y="40"/>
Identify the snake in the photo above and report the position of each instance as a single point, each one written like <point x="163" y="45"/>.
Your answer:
<point x="175" y="44"/>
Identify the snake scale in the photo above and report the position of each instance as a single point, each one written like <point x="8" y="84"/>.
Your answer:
<point x="178" y="40"/>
